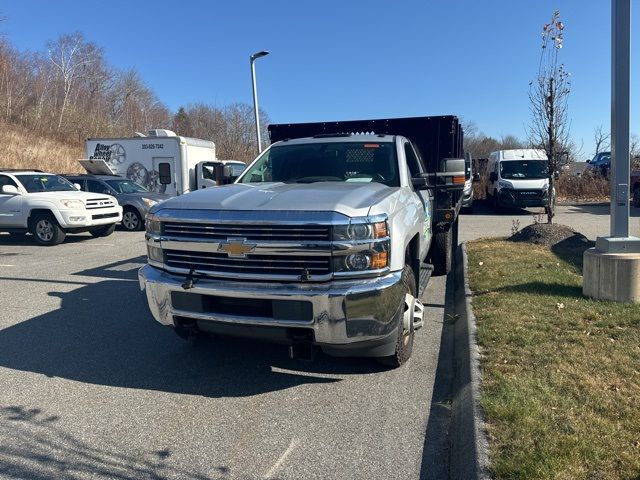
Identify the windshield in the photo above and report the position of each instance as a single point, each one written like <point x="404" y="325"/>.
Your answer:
<point x="326" y="162"/>
<point x="126" y="186"/>
<point x="602" y="158"/>
<point x="521" y="169"/>
<point x="45" y="183"/>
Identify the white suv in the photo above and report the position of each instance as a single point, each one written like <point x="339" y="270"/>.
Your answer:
<point x="49" y="207"/>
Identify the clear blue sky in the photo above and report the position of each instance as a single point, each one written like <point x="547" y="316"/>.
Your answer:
<point x="346" y="59"/>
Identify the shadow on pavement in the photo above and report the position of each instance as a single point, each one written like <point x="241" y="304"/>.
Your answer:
<point x="435" y="455"/>
<point x="597" y="209"/>
<point x="104" y="334"/>
<point x="481" y="208"/>
<point x="33" y="446"/>
<point x="28" y="241"/>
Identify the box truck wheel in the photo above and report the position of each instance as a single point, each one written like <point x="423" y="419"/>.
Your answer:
<point x="46" y="230"/>
<point x="103" y="231"/>
<point x="442" y="251"/>
<point x="406" y="332"/>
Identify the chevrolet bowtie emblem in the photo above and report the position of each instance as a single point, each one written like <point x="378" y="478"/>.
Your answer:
<point x="236" y="247"/>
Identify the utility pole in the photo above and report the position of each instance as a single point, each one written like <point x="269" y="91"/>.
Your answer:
<point x="252" y="61"/>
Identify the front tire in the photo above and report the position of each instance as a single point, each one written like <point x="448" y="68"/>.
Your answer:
<point x="103" y="231"/>
<point x="46" y="230"/>
<point x="132" y="220"/>
<point x="404" y="343"/>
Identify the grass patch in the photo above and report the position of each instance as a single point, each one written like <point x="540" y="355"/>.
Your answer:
<point x="561" y="373"/>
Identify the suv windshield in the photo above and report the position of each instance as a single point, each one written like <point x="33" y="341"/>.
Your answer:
<point x="45" y="183"/>
<point x="326" y="162"/>
<point x="519" y="169"/>
<point x="126" y="186"/>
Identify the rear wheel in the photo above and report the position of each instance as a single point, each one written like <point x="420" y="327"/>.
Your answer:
<point x="132" y="220"/>
<point x="442" y="251"/>
<point x="103" y="231"/>
<point x="406" y="331"/>
<point x="46" y="230"/>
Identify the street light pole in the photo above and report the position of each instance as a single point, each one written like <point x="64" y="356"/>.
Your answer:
<point x="252" y="60"/>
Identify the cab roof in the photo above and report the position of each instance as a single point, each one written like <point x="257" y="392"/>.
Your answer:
<point x="339" y="138"/>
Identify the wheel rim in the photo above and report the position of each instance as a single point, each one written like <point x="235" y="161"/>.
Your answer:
<point x="413" y="316"/>
<point x="44" y="230"/>
<point x="130" y="220"/>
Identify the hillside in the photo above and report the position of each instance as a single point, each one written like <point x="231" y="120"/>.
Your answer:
<point x="22" y="148"/>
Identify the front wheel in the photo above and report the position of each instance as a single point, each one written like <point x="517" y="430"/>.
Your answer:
<point x="132" y="220"/>
<point x="406" y="330"/>
<point x="103" y="231"/>
<point x="46" y="230"/>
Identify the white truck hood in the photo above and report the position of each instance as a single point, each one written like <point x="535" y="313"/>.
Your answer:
<point x="351" y="199"/>
<point x="75" y="194"/>
<point x="530" y="184"/>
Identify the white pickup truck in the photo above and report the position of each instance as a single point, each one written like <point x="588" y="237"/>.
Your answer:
<point x="49" y="207"/>
<point x="324" y="241"/>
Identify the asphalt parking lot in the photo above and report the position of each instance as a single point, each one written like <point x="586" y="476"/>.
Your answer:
<point x="92" y="387"/>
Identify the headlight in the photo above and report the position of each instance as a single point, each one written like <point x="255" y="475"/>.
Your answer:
<point x="153" y="225"/>
<point x="360" y="229"/>
<point x="148" y="202"/>
<point x="72" y="203"/>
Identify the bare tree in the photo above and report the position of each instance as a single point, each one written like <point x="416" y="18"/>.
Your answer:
<point x="600" y="139"/>
<point x="71" y="55"/>
<point x="548" y="98"/>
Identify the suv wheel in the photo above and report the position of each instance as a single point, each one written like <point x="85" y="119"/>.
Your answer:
<point x="46" y="230"/>
<point x="103" y="231"/>
<point x="132" y="220"/>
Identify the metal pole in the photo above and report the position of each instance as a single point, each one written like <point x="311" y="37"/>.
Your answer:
<point x="620" y="79"/>
<point x="255" y="102"/>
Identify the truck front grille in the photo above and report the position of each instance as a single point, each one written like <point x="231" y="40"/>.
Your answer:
<point x="213" y="263"/>
<point x="95" y="203"/>
<point x="209" y="231"/>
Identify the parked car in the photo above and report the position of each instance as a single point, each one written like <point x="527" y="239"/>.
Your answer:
<point x="469" y="179"/>
<point x="135" y="199"/>
<point x="600" y="164"/>
<point x="49" y="207"/>
<point x="324" y="241"/>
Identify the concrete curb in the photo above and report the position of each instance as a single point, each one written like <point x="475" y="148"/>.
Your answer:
<point x="469" y="446"/>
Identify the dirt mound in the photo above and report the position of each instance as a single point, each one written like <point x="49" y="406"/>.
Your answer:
<point x="548" y="234"/>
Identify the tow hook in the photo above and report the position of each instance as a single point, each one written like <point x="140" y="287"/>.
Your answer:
<point x="189" y="281"/>
<point x="414" y="313"/>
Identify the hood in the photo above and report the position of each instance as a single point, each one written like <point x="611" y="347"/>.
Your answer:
<point x="530" y="184"/>
<point x="84" y="196"/>
<point x="158" y="197"/>
<point x="351" y="199"/>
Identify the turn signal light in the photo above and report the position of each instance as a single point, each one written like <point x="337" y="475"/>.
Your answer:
<point x="379" y="260"/>
<point x="380" y="230"/>
<point x="458" y="179"/>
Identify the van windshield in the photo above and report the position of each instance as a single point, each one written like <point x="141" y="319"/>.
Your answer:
<point x="523" y="169"/>
<point x="327" y="162"/>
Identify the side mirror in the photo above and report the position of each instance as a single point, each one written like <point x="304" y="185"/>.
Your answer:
<point x="476" y="177"/>
<point x="493" y="176"/>
<point x="77" y="185"/>
<point x="223" y="174"/>
<point x="556" y="175"/>
<point x="453" y="166"/>
<point x="10" y="190"/>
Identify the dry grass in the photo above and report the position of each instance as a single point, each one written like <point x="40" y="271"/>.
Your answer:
<point x="561" y="375"/>
<point x="21" y="148"/>
<point x="586" y="187"/>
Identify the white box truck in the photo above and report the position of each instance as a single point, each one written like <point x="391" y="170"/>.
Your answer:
<point x="161" y="161"/>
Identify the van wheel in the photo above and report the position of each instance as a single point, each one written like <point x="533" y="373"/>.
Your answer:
<point x="406" y="331"/>
<point x="442" y="251"/>
<point x="132" y="220"/>
<point x="103" y="231"/>
<point x="46" y="230"/>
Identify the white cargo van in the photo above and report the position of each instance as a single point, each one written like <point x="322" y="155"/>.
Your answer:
<point x="161" y="161"/>
<point x="518" y="178"/>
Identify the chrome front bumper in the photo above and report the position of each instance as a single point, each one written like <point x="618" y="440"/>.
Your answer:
<point x="346" y="314"/>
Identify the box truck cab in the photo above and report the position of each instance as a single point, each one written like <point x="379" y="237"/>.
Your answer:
<point x="161" y="161"/>
<point x="518" y="178"/>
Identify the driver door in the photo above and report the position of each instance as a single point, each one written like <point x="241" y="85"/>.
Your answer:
<point x="10" y="205"/>
<point x="425" y="196"/>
